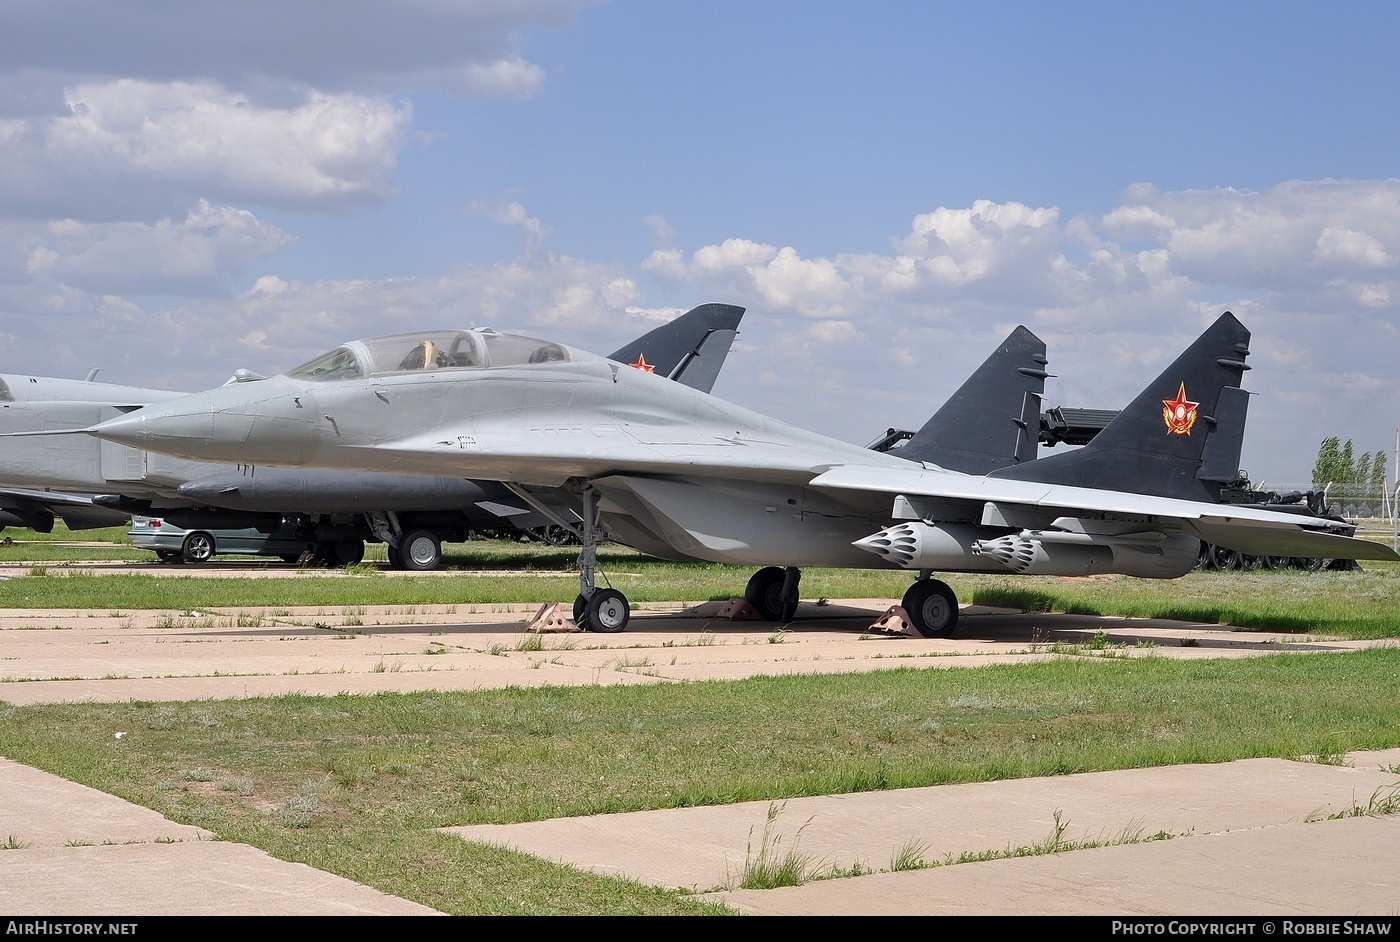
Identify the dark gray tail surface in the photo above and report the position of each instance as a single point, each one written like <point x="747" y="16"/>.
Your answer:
<point x="993" y="420"/>
<point x="1180" y="438"/>
<point x="690" y="349"/>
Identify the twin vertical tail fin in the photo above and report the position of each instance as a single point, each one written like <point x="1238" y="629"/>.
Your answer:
<point x="1180" y="438"/>
<point x="993" y="420"/>
<point x="690" y="349"/>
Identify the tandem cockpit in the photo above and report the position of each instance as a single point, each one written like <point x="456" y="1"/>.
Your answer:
<point x="430" y="350"/>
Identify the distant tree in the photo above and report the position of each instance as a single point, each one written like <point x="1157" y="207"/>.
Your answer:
<point x="1328" y="467"/>
<point x="1377" y="482"/>
<point x="1355" y="484"/>
<point x="1361" y="474"/>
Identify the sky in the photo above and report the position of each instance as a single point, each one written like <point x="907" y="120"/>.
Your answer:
<point x="888" y="188"/>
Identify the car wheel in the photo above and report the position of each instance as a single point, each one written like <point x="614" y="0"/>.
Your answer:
<point x="198" y="547"/>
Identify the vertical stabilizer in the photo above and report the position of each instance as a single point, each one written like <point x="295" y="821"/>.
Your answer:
<point x="690" y="349"/>
<point x="1181" y="437"/>
<point x="993" y="420"/>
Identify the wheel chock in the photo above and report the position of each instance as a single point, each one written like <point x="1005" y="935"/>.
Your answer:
<point x="895" y="621"/>
<point x="738" y="609"/>
<point x="550" y="620"/>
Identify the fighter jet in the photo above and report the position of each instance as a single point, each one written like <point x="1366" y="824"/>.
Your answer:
<point x="676" y="472"/>
<point x="92" y="483"/>
<point x="415" y="514"/>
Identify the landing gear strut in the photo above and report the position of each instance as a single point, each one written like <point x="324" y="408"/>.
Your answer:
<point x="773" y="592"/>
<point x="596" y="609"/>
<point x="932" y="606"/>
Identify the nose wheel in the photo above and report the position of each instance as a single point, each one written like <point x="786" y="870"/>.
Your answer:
<point x="606" y="610"/>
<point x="596" y="609"/>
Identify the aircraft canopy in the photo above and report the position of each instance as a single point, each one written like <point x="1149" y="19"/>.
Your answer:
<point x="430" y="350"/>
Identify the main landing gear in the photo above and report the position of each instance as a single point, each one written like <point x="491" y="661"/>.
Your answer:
<point x="932" y="606"/>
<point x="772" y="591"/>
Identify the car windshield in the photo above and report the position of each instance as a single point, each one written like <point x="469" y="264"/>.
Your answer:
<point x="432" y="350"/>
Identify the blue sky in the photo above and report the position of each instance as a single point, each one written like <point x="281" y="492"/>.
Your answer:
<point x="889" y="188"/>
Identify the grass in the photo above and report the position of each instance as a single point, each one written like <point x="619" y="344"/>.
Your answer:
<point x="1345" y="604"/>
<point x="357" y="785"/>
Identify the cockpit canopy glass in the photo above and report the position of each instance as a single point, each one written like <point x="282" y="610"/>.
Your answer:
<point x="432" y="350"/>
<point x="5" y="394"/>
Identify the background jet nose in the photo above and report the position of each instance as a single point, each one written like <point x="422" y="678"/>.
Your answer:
<point x="124" y="429"/>
<point x="184" y="423"/>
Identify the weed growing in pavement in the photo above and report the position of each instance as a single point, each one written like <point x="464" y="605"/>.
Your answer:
<point x="910" y="856"/>
<point x="772" y="866"/>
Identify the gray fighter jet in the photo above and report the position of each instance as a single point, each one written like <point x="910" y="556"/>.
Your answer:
<point x="88" y="483"/>
<point x="678" y="473"/>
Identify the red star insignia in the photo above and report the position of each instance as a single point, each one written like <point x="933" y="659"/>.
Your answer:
<point x="642" y="364"/>
<point x="1179" y="413"/>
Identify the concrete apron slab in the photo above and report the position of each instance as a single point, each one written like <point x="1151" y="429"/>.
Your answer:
<point x="76" y="851"/>
<point x="80" y="655"/>
<point x="1263" y="836"/>
<point x="1343" y="868"/>
<point x="82" y="852"/>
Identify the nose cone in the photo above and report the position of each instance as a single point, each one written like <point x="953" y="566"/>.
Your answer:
<point x="219" y="425"/>
<point x="184" y="423"/>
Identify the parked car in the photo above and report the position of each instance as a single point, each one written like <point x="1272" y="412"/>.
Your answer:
<point x="176" y="544"/>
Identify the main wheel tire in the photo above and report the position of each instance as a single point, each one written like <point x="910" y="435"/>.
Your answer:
<point x="607" y="611"/>
<point x="391" y="551"/>
<point x="932" y="607"/>
<point x="198" y="547"/>
<point x="1276" y="562"/>
<point x="1308" y="563"/>
<point x="580" y="610"/>
<point x="420" y="550"/>
<point x="765" y="592"/>
<point x="348" y="552"/>
<point x="169" y="556"/>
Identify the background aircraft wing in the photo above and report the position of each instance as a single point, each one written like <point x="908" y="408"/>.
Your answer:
<point x="36" y="510"/>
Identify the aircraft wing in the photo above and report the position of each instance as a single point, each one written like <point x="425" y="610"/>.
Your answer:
<point x="1040" y="507"/>
<point x="36" y="510"/>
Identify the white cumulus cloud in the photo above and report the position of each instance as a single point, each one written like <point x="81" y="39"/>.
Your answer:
<point x="195" y="255"/>
<point x="123" y="144"/>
